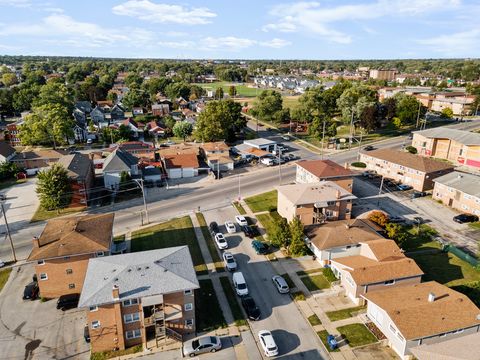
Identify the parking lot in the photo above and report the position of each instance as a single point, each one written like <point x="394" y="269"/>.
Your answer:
<point x="279" y="314"/>
<point x="35" y="329"/>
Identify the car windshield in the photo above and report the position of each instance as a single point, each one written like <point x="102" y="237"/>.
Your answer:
<point x="230" y="260"/>
<point x="242" y="286"/>
<point x="272" y="348"/>
<point x="221" y="239"/>
<point x="195" y="344"/>
<point x="213" y="339"/>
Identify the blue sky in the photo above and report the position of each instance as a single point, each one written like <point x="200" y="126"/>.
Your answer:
<point x="261" y="29"/>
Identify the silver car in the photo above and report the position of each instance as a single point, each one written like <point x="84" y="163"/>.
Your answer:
<point x="202" y="345"/>
<point x="280" y="284"/>
<point x="229" y="260"/>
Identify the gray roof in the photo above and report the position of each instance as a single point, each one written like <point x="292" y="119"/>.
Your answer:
<point x="5" y="149"/>
<point x="462" y="136"/>
<point x="138" y="275"/>
<point x="119" y="160"/>
<point x="259" y="142"/>
<point x="464" y="182"/>
<point x="78" y="165"/>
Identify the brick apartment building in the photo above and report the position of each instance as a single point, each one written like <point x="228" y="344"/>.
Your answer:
<point x="458" y="146"/>
<point x="383" y="74"/>
<point x="81" y="175"/>
<point x="63" y="249"/>
<point x="416" y="171"/>
<point x="140" y="298"/>
<point x="314" y="171"/>
<point x="13" y="131"/>
<point x="314" y="203"/>
<point x="459" y="190"/>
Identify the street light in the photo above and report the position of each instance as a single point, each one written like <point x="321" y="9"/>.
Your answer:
<point x="141" y="185"/>
<point x="8" y="232"/>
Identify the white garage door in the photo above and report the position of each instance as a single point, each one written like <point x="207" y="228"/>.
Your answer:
<point x="175" y="173"/>
<point x="188" y="172"/>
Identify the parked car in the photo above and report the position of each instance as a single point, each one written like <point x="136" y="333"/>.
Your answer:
<point x="221" y="241"/>
<point x="252" y="310"/>
<point x="241" y="220"/>
<point x="201" y="345"/>
<point x="240" y="284"/>
<point x="260" y="247"/>
<point x="286" y="137"/>
<point x="404" y="187"/>
<point x="465" y="218"/>
<point x="267" y="161"/>
<point x="418" y="194"/>
<point x="89" y="141"/>
<point x="3" y="197"/>
<point x="86" y="334"/>
<point x="2" y="264"/>
<point x="31" y="291"/>
<point x="369" y="148"/>
<point x="248" y="231"/>
<point x="367" y="173"/>
<point x="280" y="284"/>
<point x="68" y="301"/>
<point x="230" y="226"/>
<point x="213" y="228"/>
<point x="229" y="260"/>
<point x="292" y="157"/>
<point x="267" y="342"/>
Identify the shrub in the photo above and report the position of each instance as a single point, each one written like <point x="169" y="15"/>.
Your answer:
<point x="411" y="149"/>
<point x="359" y="164"/>
<point x="379" y="218"/>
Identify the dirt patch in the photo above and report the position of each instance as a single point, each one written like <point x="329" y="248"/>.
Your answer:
<point x="375" y="331"/>
<point x="376" y="352"/>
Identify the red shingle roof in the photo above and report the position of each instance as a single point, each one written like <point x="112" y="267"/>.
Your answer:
<point x="324" y="168"/>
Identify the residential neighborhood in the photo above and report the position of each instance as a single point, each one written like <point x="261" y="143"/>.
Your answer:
<point x="245" y="181"/>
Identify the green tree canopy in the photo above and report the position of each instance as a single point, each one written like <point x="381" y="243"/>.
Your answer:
<point x="53" y="187"/>
<point x="355" y="98"/>
<point x="297" y="246"/>
<point x="136" y="97"/>
<point x="9" y="79"/>
<point x="55" y="93"/>
<point x="407" y="108"/>
<point x="177" y="90"/>
<point x="269" y="107"/>
<point x="182" y="129"/>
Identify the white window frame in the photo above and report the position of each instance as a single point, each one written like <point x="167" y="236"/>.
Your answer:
<point x="133" y="334"/>
<point x="41" y="262"/>
<point x="130" y="318"/>
<point x="129" y="302"/>
<point x="187" y="292"/>
<point x="93" y="308"/>
<point x="188" y="306"/>
<point x="43" y="278"/>
<point x="69" y="271"/>
<point x="189" y="323"/>
<point x="95" y="324"/>
<point x="71" y="286"/>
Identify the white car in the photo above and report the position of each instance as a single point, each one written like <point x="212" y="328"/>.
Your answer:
<point x="221" y="241"/>
<point x="268" y="343"/>
<point x="241" y="220"/>
<point x="229" y="260"/>
<point x="267" y="161"/>
<point x="230" y="226"/>
<point x="2" y="264"/>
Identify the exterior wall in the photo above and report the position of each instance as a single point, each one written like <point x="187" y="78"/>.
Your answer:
<point x="110" y="334"/>
<point x="58" y="280"/>
<point x="111" y="180"/>
<point x="175" y="303"/>
<point x="456" y="199"/>
<point x="136" y="325"/>
<point x="341" y="210"/>
<point x="324" y="256"/>
<point x="285" y="208"/>
<point x="34" y="163"/>
<point x="379" y="286"/>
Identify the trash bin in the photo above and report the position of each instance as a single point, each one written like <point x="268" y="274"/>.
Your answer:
<point x="332" y="342"/>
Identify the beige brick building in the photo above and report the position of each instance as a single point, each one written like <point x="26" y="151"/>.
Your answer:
<point x="140" y="298"/>
<point x="383" y="74"/>
<point x="314" y="203"/>
<point x="460" y="191"/>
<point x="458" y="146"/>
<point x="314" y="171"/>
<point x="416" y="171"/>
<point x="63" y="249"/>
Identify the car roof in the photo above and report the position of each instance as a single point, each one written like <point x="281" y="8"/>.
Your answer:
<point x="205" y="340"/>
<point x="268" y="338"/>
<point x="281" y="280"/>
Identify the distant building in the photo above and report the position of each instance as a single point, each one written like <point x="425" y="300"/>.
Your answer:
<point x="458" y="190"/>
<point x="37" y="159"/>
<point x="13" y="133"/>
<point x="7" y="152"/>
<point x="381" y="74"/>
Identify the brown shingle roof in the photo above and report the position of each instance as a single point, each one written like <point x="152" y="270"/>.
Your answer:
<point x="181" y="161"/>
<point x="384" y="249"/>
<point x="215" y="146"/>
<point x="411" y="161"/>
<point x="336" y="233"/>
<point x="415" y="317"/>
<point x="324" y="168"/>
<point x="74" y="235"/>
<point x="323" y="191"/>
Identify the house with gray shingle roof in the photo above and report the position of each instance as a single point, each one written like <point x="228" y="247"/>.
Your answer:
<point x="140" y="298"/>
<point x="81" y="175"/>
<point x="117" y="162"/>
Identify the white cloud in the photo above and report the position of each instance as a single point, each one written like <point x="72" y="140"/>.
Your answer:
<point x="275" y="43"/>
<point x="16" y="3"/>
<point x="164" y="13"/>
<point x="454" y="44"/>
<point x="177" y="44"/>
<point x="313" y="18"/>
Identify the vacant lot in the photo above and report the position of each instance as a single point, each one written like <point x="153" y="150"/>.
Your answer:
<point x="176" y="232"/>
<point x="263" y="202"/>
<point x="208" y="313"/>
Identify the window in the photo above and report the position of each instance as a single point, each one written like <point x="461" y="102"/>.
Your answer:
<point x="188" y="292"/>
<point x="392" y="329"/>
<point x="43" y="276"/>
<point x="129" y="318"/>
<point x="189" y="323"/>
<point x="466" y="196"/>
<point x="41" y="262"/>
<point x="400" y="337"/>
<point x="100" y="253"/>
<point x="188" y="307"/>
<point x="389" y="282"/>
<point x="330" y="203"/>
<point x="95" y="324"/>
<point x="133" y="334"/>
<point x="69" y="271"/>
<point x="130" y="302"/>
<point x="66" y="257"/>
<point x="71" y="286"/>
<point x="93" y="308"/>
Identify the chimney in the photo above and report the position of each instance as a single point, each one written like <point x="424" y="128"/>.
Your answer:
<point x="115" y="292"/>
<point x="431" y="297"/>
<point x="36" y="242"/>
<point x="337" y="194"/>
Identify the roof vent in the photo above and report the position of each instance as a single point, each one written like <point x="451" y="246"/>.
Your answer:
<point x="129" y="270"/>
<point x="139" y="268"/>
<point x="116" y="279"/>
<point x="147" y="267"/>
<point x="431" y="297"/>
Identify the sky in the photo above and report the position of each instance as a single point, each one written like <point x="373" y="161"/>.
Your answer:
<point x="260" y="29"/>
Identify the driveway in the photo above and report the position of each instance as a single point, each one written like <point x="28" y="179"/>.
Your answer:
<point x="279" y="313"/>
<point x="36" y="330"/>
<point x="21" y="204"/>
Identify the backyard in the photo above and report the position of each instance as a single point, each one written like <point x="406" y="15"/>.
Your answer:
<point x="176" y="232"/>
<point x="344" y="313"/>
<point x="263" y="202"/>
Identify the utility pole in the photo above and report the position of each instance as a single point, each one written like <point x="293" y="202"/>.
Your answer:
<point x="141" y="184"/>
<point x="380" y="191"/>
<point x="8" y="232"/>
<point x="279" y="165"/>
<point x="418" y="114"/>
<point x="323" y="137"/>
<point x="351" y="131"/>
<point x="239" y="197"/>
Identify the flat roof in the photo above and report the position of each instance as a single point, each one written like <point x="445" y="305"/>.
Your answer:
<point x="323" y="191"/>
<point x="259" y="142"/>
<point x="467" y="183"/>
<point x="461" y="136"/>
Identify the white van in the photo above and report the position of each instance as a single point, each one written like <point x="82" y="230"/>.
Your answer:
<point x="267" y="161"/>
<point x="240" y="284"/>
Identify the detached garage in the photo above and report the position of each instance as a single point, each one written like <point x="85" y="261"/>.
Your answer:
<point x="181" y="165"/>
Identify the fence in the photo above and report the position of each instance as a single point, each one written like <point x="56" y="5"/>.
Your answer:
<point x="463" y="255"/>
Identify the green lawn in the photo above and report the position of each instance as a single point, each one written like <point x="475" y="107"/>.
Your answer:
<point x="208" y="313"/>
<point x="357" y="334"/>
<point x="212" y="249"/>
<point x="298" y="296"/>
<point x="315" y="282"/>
<point x="41" y="214"/>
<point x="176" y="232"/>
<point x="267" y="221"/>
<point x="311" y="271"/>
<point x="263" y="202"/>
<point x="421" y="238"/>
<point x="323" y="337"/>
<point x="4" y="274"/>
<point x="239" y="208"/>
<point x="242" y="89"/>
<point x="314" y="320"/>
<point x="113" y="354"/>
<point x="237" y="312"/>
<point x="445" y="268"/>
<point x="344" y="313"/>
<point x="475" y="225"/>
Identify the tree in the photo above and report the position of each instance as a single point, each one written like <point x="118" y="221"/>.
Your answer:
<point x="182" y="129"/>
<point x="110" y="135"/>
<point x="136" y="97"/>
<point x="447" y="113"/>
<point x="24" y="96"/>
<point x="269" y="107"/>
<point x="379" y="218"/>
<point x="219" y="121"/>
<point x="219" y="93"/>
<point x="133" y="80"/>
<point x="55" y="93"/>
<point x="124" y="132"/>
<point x="112" y="96"/>
<point x="280" y="235"/>
<point x="411" y="149"/>
<point x="407" y="108"/>
<point x="177" y="90"/>
<point x="196" y="92"/>
<point x="397" y="122"/>
<point x="390" y="105"/>
<point x="46" y="125"/>
<point x="91" y="127"/>
<point x="297" y="246"/>
<point x="8" y="170"/>
<point x="368" y="117"/>
<point x="156" y="85"/>
<point x="9" y="79"/>
<point x="397" y="233"/>
<point x="6" y="102"/>
<point x="347" y="102"/>
<point x="53" y="187"/>
<point x="232" y="91"/>
<point x="169" y="122"/>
